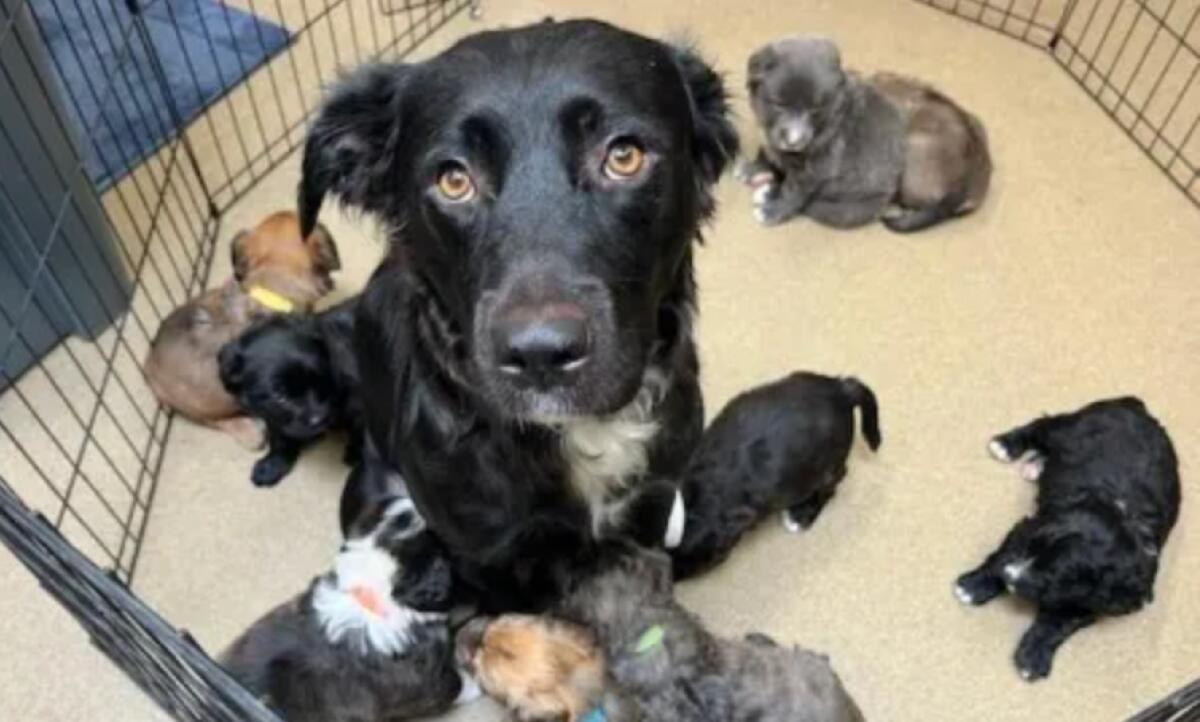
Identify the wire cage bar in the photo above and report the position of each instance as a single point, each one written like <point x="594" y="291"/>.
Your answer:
<point x="127" y="128"/>
<point x="1138" y="59"/>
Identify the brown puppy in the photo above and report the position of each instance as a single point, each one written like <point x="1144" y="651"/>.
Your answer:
<point x="275" y="271"/>
<point x="540" y="668"/>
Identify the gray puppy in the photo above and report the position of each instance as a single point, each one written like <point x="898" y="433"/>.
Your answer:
<point x="662" y="660"/>
<point x="348" y="649"/>
<point x="847" y="151"/>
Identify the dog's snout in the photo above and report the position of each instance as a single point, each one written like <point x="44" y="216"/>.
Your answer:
<point x="540" y="344"/>
<point x="792" y="135"/>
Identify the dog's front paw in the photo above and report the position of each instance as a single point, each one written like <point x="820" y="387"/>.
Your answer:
<point x="769" y="209"/>
<point x="1033" y="662"/>
<point x="1031" y="468"/>
<point x="977" y="588"/>
<point x="269" y="470"/>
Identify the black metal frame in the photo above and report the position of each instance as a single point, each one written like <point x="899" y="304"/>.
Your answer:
<point x="1138" y="59"/>
<point x="81" y="436"/>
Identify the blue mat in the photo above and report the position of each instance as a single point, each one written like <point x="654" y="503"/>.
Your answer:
<point x="105" y="67"/>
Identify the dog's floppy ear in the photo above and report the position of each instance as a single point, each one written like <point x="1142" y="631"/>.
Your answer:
<point x="323" y="250"/>
<point x="351" y="143"/>
<point x="715" y="141"/>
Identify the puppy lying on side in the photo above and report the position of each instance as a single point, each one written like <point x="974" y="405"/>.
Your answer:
<point x="847" y="151"/>
<point x="275" y="270"/>
<point x="300" y="376"/>
<point x="350" y="649"/>
<point x="781" y="446"/>
<point x="1108" y="497"/>
<point x="648" y="659"/>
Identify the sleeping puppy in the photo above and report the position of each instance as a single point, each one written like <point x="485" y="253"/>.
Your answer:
<point x="527" y="342"/>
<point x="1108" y="497"/>
<point x="351" y="648"/>
<point x="646" y="658"/>
<point x="781" y="446"/>
<point x="299" y="375"/>
<point x="276" y="270"/>
<point x="847" y="151"/>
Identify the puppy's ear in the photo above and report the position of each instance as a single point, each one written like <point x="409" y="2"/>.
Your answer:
<point x="323" y="250"/>
<point x="237" y="255"/>
<point x="352" y="141"/>
<point x="714" y="141"/>
<point x="760" y="64"/>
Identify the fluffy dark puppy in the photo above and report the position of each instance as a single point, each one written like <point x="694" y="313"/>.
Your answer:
<point x="781" y="446"/>
<point x="1108" y="497"/>
<point x="847" y="151"/>
<point x="648" y="659"/>
<point x="300" y="376"/>
<point x="527" y="343"/>
<point x="351" y="649"/>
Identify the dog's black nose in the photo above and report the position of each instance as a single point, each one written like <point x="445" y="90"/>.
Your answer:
<point x="541" y="344"/>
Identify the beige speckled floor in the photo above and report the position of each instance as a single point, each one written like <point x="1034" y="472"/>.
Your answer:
<point x="1076" y="281"/>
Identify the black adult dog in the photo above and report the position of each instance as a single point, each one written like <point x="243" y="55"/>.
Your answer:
<point x="1108" y="497"/>
<point x="299" y="375"/>
<point x="526" y="347"/>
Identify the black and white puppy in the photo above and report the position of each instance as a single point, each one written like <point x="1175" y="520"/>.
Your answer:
<point x="527" y="342"/>
<point x="1108" y="497"/>
<point x="351" y="648"/>
<point x="780" y="446"/>
<point x="300" y="376"/>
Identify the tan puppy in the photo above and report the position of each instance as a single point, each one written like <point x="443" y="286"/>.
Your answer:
<point x="541" y="668"/>
<point x="275" y="271"/>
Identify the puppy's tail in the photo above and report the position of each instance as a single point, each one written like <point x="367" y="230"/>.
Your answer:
<point x="909" y="220"/>
<point x="862" y="397"/>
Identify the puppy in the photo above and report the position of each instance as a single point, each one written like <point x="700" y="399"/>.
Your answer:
<point x="300" y="376"/>
<point x="781" y="446"/>
<point x="528" y="340"/>
<point x="646" y="658"/>
<point x="847" y="151"/>
<point x="351" y="649"/>
<point x="275" y="270"/>
<point x="1108" y="497"/>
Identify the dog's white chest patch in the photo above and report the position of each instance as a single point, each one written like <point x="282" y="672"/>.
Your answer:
<point x="604" y="454"/>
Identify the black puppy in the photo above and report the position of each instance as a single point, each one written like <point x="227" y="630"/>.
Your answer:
<point x="299" y="375"/>
<point x="781" y="446"/>
<point x="1108" y="496"/>
<point x="527" y="342"/>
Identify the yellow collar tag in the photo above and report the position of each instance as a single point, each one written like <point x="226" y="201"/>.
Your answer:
<point x="271" y="300"/>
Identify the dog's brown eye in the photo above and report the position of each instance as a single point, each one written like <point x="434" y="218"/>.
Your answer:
<point x="624" y="160"/>
<point x="455" y="184"/>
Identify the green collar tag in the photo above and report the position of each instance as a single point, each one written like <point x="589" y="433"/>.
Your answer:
<point x="651" y="638"/>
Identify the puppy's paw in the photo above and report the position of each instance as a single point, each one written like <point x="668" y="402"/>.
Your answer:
<point x="269" y="470"/>
<point x="977" y="588"/>
<point x="1031" y="469"/>
<point x="249" y="432"/>
<point x="769" y="209"/>
<point x="1033" y="663"/>
<point x="754" y="174"/>
<point x="792" y="526"/>
<point x="999" y="451"/>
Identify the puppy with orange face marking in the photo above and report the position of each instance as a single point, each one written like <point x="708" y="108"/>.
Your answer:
<point x="276" y="270"/>
<point x="541" y="668"/>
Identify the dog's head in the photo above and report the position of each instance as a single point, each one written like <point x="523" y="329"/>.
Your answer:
<point x="276" y="254"/>
<point x="796" y="86"/>
<point x="279" y="370"/>
<point x="544" y="186"/>
<point x="541" y="668"/>
<point x="1091" y="556"/>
